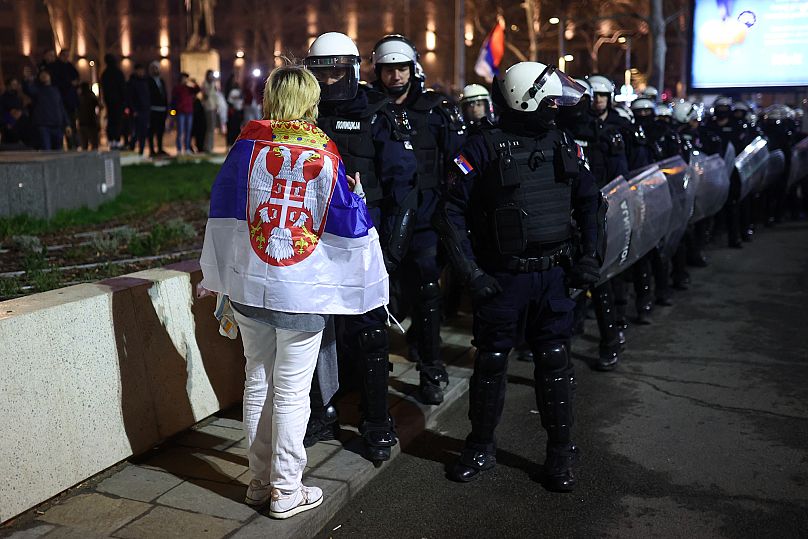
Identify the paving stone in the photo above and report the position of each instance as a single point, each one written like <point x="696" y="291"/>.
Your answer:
<point x="229" y="423"/>
<point x="344" y="465"/>
<point x="209" y="498"/>
<point x="73" y="533"/>
<point x="32" y="533"/>
<point x="136" y="483"/>
<point x="168" y="523"/>
<point x="210" y="437"/>
<point x="199" y="464"/>
<point x="319" y="453"/>
<point x="94" y="512"/>
<point x="307" y="524"/>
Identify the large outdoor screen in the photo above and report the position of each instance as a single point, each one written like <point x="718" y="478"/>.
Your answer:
<point x="749" y="44"/>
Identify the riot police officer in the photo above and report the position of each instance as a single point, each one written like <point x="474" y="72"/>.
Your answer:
<point x="436" y="131"/>
<point x="513" y="186"/>
<point x="688" y="116"/>
<point x="357" y="119"/>
<point x="721" y="123"/>
<point x="476" y="105"/>
<point x="634" y="145"/>
<point x="602" y="147"/>
<point x="777" y="123"/>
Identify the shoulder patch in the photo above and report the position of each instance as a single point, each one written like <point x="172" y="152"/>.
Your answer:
<point x="463" y="164"/>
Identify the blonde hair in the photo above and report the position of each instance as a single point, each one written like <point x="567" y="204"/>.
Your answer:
<point x="291" y="93"/>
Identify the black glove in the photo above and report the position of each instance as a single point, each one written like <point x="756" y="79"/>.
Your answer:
<point x="584" y="273"/>
<point x="483" y="286"/>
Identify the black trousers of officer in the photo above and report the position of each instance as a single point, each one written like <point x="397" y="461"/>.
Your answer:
<point x="366" y="343"/>
<point x="420" y="273"/>
<point x="541" y="297"/>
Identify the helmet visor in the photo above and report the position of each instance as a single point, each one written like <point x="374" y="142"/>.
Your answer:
<point x="475" y="109"/>
<point x="570" y="92"/>
<point x="338" y="76"/>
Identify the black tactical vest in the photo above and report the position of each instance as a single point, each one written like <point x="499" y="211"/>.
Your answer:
<point x="525" y="193"/>
<point x="354" y="139"/>
<point x="424" y="143"/>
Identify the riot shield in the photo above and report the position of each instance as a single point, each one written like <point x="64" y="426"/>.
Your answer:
<point x="712" y="185"/>
<point x="682" y="189"/>
<point x="729" y="159"/>
<point x="619" y="217"/>
<point x="775" y="167"/>
<point x="751" y="166"/>
<point x="653" y="211"/>
<point x="798" y="169"/>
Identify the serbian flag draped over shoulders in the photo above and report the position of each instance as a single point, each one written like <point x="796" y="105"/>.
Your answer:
<point x="490" y="57"/>
<point x="285" y="232"/>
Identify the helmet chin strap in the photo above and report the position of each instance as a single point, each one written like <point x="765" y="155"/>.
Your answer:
<point x="398" y="91"/>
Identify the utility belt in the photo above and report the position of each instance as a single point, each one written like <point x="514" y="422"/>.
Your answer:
<point x="559" y="256"/>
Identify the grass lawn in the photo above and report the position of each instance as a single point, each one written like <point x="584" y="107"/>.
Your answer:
<point x="145" y="189"/>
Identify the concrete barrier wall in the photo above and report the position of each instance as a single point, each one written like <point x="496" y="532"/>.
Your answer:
<point x="40" y="184"/>
<point x="94" y="373"/>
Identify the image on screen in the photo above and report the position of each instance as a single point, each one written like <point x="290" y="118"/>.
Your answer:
<point x="749" y="44"/>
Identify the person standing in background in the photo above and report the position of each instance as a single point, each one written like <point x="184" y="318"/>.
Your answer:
<point x="88" y="118"/>
<point x="183" y="101"/>
<point x="158" y="96"/>
<point x="235" y="112"/>
<point x="140" y="106"/>
<point x="210" y="102"/>
<point x="48" y="112"/>
<point x="113" y="94"/>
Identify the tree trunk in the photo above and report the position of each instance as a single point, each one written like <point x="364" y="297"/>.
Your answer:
<point x="660" y="48"/>
<point x="533" y="18"/>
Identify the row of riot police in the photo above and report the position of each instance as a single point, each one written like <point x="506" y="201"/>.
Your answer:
<point x="498" y="206"/>
<point x="511" y="200"/>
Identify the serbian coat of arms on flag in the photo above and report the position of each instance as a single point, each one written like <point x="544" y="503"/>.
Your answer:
<point x="284" y="230"/>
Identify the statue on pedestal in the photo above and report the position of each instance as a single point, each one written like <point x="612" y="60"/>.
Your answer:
<point x="199" y="19"/>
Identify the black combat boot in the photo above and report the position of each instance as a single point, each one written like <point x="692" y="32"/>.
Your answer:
<point x="432" y="369"/>
<point x="555" y="385"/>
<point x="377" y="429"/>
<point x="609" y="348"/>
<point x="323" y="422"/>
<point x="486" y="400"/>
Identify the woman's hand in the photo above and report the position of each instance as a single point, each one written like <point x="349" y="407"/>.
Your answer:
<point x="353" y="181"/>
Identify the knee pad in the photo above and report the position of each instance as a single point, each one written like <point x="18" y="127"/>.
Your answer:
<point x="491" y="363"/>
<point x="429" y="293"/>
<point x="373" y="341"/>
<point x="552" y="357"/>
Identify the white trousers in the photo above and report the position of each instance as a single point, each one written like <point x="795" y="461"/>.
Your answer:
<point x="280" y="366"/>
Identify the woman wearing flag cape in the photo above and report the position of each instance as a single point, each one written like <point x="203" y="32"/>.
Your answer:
<point x="289" y="244"/>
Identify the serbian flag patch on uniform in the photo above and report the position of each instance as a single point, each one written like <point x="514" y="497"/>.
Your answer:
<point x="463" y="164"/>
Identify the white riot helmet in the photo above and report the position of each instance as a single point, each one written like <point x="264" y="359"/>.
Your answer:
<point x="649" y="92"/>
<point x="601" y="85"/>
<point x="526" y="85"/>
<point x="473" y="95"/>
<point x="643" y="109"/>
<point x="397" y="49"/>
<point x="334" y="60"/>
<point x="685" y="111"/>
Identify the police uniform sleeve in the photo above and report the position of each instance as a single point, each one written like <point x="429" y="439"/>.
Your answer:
<point x="395" y="168"/>
<point x="586" y="201"/>
<point x="451" y="216"/>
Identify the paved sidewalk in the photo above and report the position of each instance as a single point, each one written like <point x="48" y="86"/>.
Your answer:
<point x="194" y="484"/>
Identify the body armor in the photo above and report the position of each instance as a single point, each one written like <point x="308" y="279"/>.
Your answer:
<point x="427" y="147"/>
<point x="525" y="195"/>
<point x="353" y="136"/>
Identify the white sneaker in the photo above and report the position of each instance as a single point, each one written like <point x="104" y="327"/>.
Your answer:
<point x="288" y="505"/>
<point x="257" y="493"/>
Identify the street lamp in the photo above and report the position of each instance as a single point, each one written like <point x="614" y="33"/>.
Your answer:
<point x="554" y="20"/>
